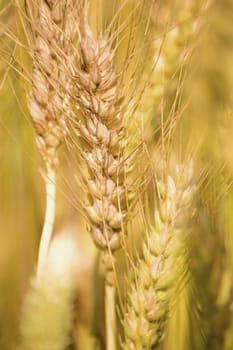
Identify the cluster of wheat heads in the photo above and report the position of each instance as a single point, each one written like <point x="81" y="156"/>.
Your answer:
<point x="113" y="102"/>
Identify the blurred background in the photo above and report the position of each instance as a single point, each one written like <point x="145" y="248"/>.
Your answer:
<point x="199" y="71"/>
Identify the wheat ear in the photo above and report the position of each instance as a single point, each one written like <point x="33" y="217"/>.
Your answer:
<point x="170" y="53"/>
<point x="147" y="308"/>
<point x="100" y="124"/>
<point x="53" y="34"/>
<point x="47" y="310"/>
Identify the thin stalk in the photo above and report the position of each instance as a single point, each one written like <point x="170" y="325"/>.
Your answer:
<point x="95" y="296"/>
<point x="49" y="218"/>
<point x="110" y="317"/>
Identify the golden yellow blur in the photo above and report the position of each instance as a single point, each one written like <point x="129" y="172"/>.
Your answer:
<point x="179" y="81"/>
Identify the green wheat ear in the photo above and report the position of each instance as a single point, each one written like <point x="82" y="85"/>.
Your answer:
<point x="156" y="274"/>
<point x="47" y="311"/>
<point x="46" y="318"/>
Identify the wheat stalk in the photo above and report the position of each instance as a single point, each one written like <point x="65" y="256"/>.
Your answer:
<point x="149" y="297"/>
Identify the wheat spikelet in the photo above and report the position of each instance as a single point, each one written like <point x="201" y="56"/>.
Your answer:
<point x="100" y="124"/>
<point x="170" y="53"/>
<point x="53" y="34"/>
<point x="101" y="128"/>
<point x="148" y="308"/>
<point x="52" y="24"/>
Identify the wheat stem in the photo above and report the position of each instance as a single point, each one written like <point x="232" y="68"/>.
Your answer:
<point x="49" y="218"/>
<point x="110" y="317"/>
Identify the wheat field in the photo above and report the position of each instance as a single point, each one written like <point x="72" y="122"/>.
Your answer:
<point x="116" y="172"/>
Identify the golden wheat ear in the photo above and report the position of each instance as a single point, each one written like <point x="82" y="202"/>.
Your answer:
<point x="52" y="24"/>
<point x="102" y="141"/>
<point x="50" y="293"/>
<point x="99" y="123"/>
